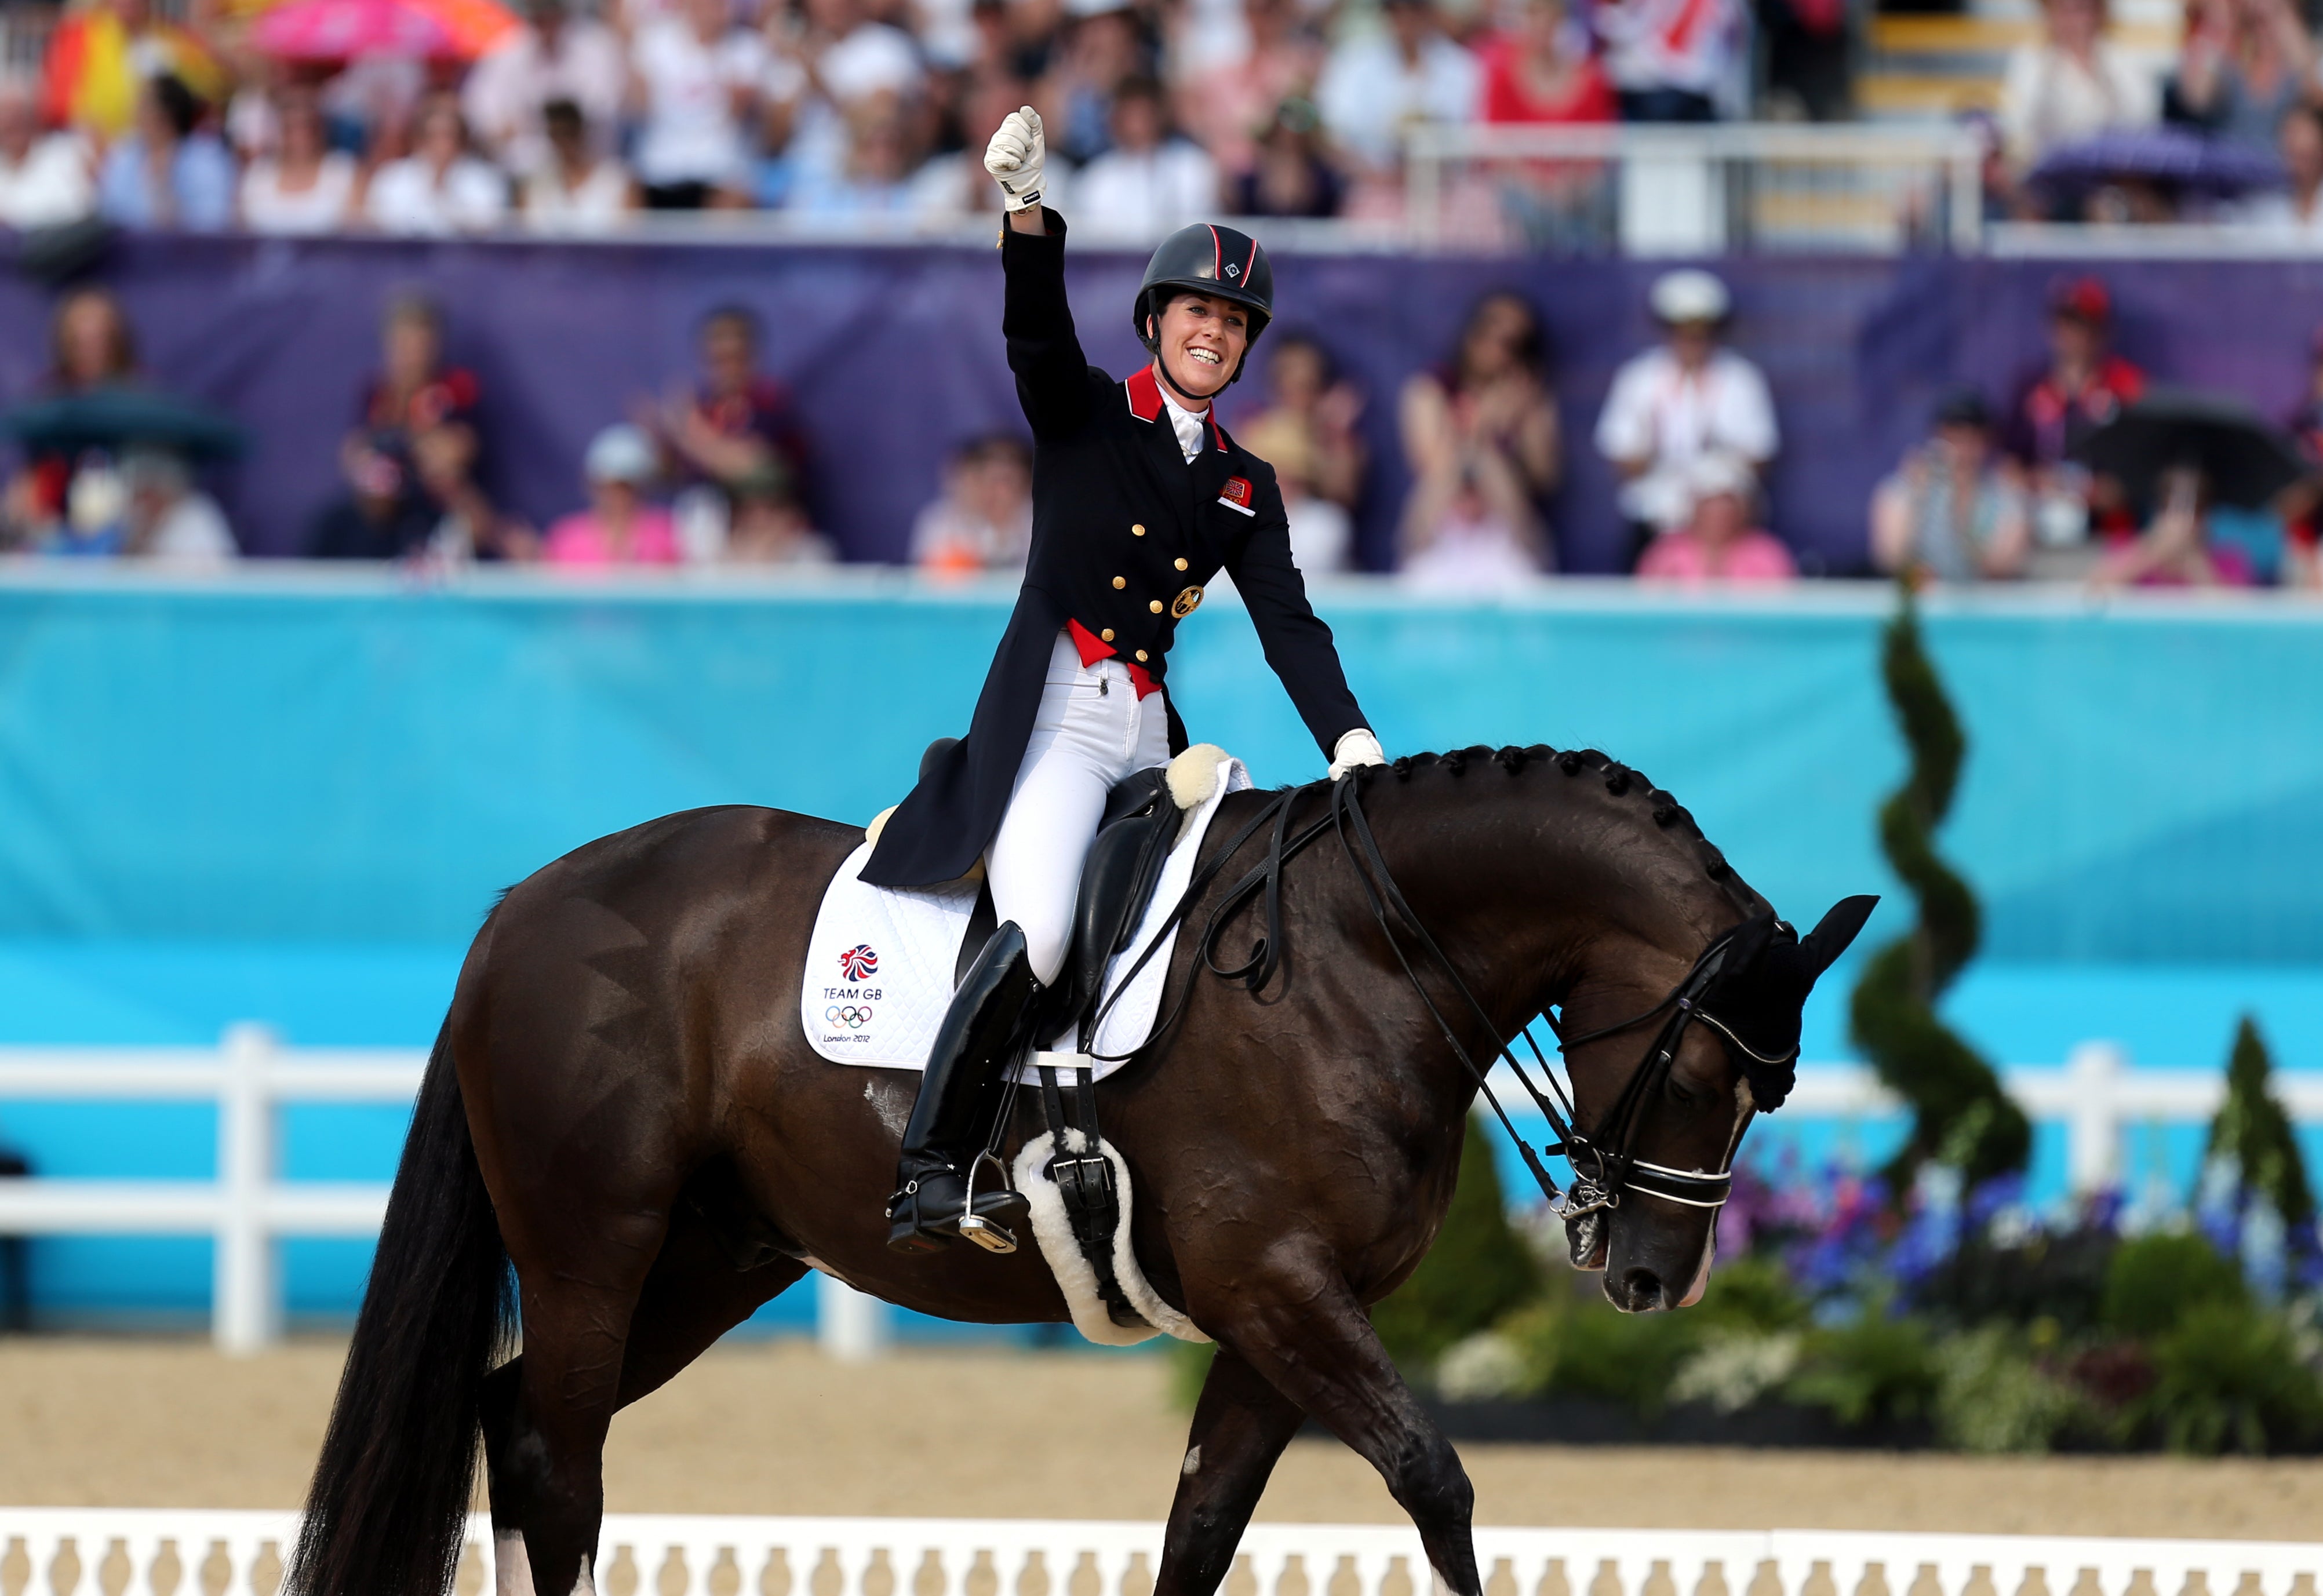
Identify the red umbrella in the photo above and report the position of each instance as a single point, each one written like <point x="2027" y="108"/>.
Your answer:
<point x="341" y="30"/>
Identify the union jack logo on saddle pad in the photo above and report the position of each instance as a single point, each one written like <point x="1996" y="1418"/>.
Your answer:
<point x="858" y="963"/>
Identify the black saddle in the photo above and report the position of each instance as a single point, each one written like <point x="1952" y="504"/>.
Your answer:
<point x="1117" y="881"/>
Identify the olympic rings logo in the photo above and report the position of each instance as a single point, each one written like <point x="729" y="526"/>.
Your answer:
<point x="854" y="1016"/>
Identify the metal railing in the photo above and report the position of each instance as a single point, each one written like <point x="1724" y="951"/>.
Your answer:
<point x="249" y="1210"/>
<point x="71" y="1552"/>
<point x="1694" y="190"/>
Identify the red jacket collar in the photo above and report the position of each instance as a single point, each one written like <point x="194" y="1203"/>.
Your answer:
<point x="1145" y="401"/>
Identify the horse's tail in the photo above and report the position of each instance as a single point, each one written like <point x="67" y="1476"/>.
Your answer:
<point x="388" y="1504"/>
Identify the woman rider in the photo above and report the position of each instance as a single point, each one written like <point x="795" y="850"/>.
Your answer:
<point x="1138" y="499"/>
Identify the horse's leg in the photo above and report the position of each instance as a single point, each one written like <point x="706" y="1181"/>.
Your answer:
<point x="547" y="1412"/>
<point x="694" y="1295"/>
<point x="1241" y="1425"/>
<point x="1306" y="1333"/>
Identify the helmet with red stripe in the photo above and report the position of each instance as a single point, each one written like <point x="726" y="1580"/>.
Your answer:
<point x="1205" y="258"/>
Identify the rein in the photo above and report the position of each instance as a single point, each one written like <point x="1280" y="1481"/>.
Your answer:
<point x="1612" y="1167"/>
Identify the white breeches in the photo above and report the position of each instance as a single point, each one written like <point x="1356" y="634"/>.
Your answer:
<point x="1092" y="732"/>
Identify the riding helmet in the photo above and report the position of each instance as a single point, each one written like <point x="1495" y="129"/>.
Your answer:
<point x="1205" y="258"/>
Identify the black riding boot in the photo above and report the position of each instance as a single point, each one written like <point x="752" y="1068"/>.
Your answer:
<point x="980" y="1032"/>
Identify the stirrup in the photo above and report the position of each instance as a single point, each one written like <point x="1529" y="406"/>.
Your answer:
<point x="983" y="1232"/>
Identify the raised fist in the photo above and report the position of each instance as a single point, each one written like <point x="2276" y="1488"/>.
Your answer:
<point x="1015" y="159"/>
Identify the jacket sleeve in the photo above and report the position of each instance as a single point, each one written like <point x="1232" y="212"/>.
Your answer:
<point x="1298" y="642"/>
<point x="1052" y="375"/>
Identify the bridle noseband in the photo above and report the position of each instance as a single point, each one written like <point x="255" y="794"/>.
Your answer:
<point x="1612" y="1167"/>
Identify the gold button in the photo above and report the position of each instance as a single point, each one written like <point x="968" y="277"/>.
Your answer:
<point x="1181" y="564"/>
<point x="1138" y="530"/>
<point x="1107" y="635"/>
<point x="1155" y="606"/>
<point x="1120" y="582"/>
<point x="1140" y="656"/>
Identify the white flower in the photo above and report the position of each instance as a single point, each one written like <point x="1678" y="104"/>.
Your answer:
<point x="1480" y="1369"/>
<point x="1732" y="1372"/>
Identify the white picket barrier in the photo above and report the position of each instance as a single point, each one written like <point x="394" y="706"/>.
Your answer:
<point x="146" y="1552"/>
<point x="247" y="1209"/>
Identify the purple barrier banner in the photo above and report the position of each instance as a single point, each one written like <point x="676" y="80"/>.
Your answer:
<point x="893" y="356"/>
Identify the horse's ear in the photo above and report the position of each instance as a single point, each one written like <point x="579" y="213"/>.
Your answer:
<point x="1835" y="930"/>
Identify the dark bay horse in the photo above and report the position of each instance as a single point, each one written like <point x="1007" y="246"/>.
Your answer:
<point x="622" y="1105"/>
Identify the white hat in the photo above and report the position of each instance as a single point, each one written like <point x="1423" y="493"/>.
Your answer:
<point x="621" y="454"/>
<point x="1691" y="295"/>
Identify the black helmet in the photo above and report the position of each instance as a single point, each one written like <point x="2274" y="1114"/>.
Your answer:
<point x="1204" y="259"/>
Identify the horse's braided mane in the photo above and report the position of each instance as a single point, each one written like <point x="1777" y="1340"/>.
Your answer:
<point x="1621" y="780"/>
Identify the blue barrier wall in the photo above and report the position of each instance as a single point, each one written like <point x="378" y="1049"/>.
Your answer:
<point x="354" y="761"/>
<point x="291" y="798"/>
<point x="895" y="355"/>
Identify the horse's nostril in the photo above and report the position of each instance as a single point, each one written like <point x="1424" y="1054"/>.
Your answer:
<point x="1641" y="1290"/>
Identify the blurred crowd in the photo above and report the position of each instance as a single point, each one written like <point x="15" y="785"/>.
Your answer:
<point x="2229" y="131"/>
<point x="306" y="116"/>
<point x="2084" y="470"/>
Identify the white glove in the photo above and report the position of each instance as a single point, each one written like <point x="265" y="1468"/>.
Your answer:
<point x="1358" y="747"/>
<point x="1015" y="157"/>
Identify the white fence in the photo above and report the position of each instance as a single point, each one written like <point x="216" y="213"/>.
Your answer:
<point x="1693" y="190"/>
<point x="247" y="1209"/>
<point x="63" y="1552"/>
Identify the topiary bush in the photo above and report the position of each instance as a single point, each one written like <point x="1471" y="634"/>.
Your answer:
<point x="1960" y="1113"/>
<point x="2152" y="1281"/>
<point x="2255" y="1136"/>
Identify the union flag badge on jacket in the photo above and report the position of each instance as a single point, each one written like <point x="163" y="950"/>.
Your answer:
<point x="1235" y="495"/>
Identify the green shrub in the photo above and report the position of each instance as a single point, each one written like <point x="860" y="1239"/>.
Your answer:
<point x="1478" y="1269"/>
<point x="2228" y="1378"/>
<point x="2252" y="1131"/>
<point x="2152" y="1281"/>
<point x="1582" y="1347"/>
<point x="1994" y="1398"/>
<point x="1875" y="1370"/>
<point x="1751" y="1296"/>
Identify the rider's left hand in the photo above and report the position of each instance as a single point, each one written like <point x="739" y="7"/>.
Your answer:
<point x="1355" y="748"/>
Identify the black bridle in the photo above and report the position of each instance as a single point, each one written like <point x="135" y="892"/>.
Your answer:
<point x="1603" y="1161"/>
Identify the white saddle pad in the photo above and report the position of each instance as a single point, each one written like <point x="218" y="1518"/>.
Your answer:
<point x="879" y="965"/>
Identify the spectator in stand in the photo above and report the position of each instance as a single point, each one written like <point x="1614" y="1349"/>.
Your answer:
<point x="2296" y="212"/>
<point x="1540" y="70"/>
<point x="876" y="177"/>
<point x="954" y="183"/>
<point x="1671" y="60"/>
<point x="1955" y="510"/>
<point x="1687" y="397"/>
<point x="620" y="528"/>
<point x="2178" y="548"/>
<point x="100" y="59"/>
<point x="2245" y="65"/>
<point x="694" y="79"/>
<point x="1289" y="176"/>
<point x="1225" y="104"/>
<point x="168" y="518"/>
<point x="1718" y="543"/>
<point x="91" y="347"/>
<point x="1481" y="437"/>
<point x="770" y="527"/>
<point x="45" y="177"/>
<point x="381" y="516"/>
<point x="1378" y="84"/>
<point x="983" y="522"/>
<point x="577" y="190"/>
<point x="1151" y="181"/>
<point x="2079" y="390"/>
<point x="1808" y="72"/>
<point x="442" y="187"/>
<point x="1102" y="47"/>
<point x="1308" y="428"/>
<point x="304" y="186"/>
<point x="555" y="57"/>
<point x="2072" y="84"/>
<point x="168" y="173"/>
<point x="735" y="428"/>
<point x="832" y="94"/>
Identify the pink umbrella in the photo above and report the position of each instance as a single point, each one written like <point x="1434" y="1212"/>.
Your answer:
<point x="341" y="30"/>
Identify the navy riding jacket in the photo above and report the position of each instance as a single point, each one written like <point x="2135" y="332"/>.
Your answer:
<point x="1125" y="532"/>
